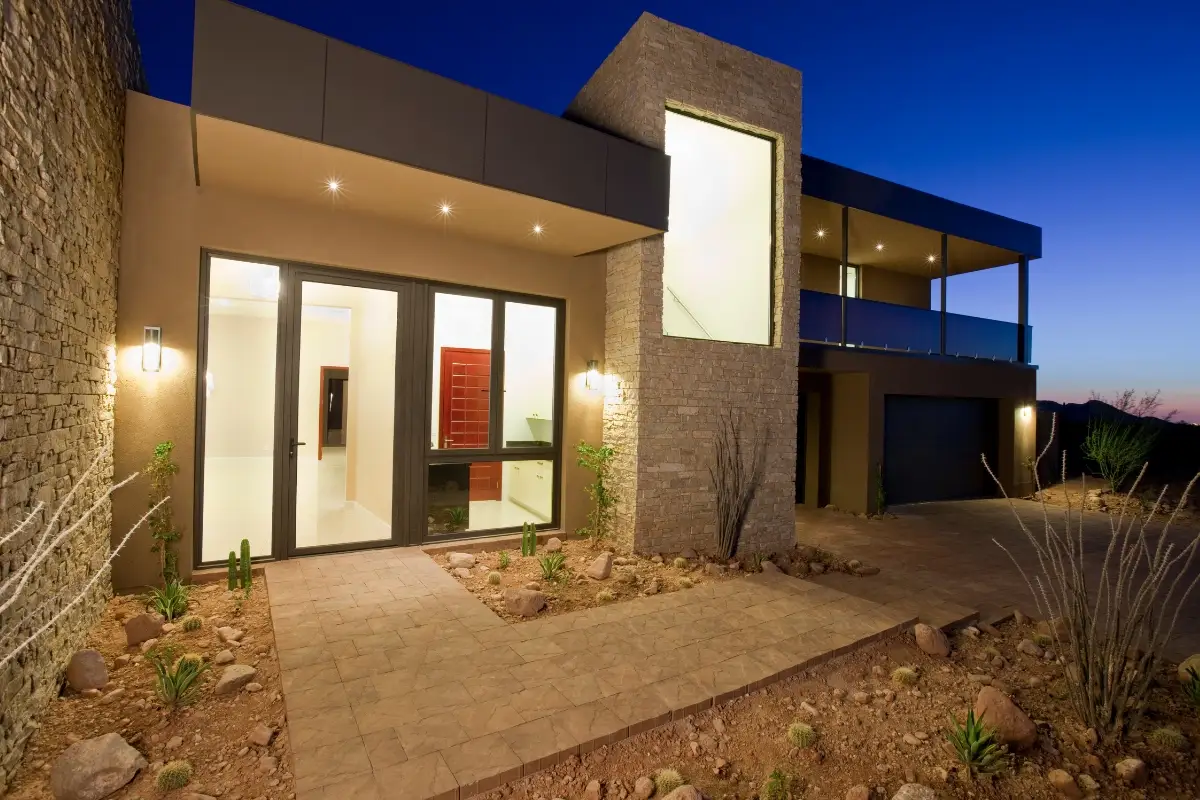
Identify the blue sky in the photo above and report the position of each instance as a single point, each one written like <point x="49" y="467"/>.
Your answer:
<point x="1083" y="118"/>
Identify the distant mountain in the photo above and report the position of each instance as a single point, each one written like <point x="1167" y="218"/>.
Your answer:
<point x="1092" y="409"/>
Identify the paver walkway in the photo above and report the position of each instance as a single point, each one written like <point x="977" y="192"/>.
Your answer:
<point x="398" y="683"/>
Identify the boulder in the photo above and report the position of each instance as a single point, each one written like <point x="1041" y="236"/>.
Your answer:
<point x="1064" y="784"/>
<point x="461" y="560"/>
<point x="142" y="628"/>
<point x="1056" y="627"/>
<point x="931" y="640"/>
<point x="234" y="677"/>
<point x="1192" y="662"/>
<point x="1012" y="725"/>
<point x="229" y="634"/>
<point x="86" y="670"/>
<point x="914" y="791"/>
<point x="685" y="792"/>
<point x="224" y="657"/>
<point x="601" y="568"/>
<point x="94" y="768"/>
<point x="262" y="735"/>
<point x="1132" y="771"/>
<point x="643" y="788"/>
<point x="553" y="545"/>
<point x="462" y="572"/>
<point x="1030" y="648"/>
<point x="689" y="554"/>
<point x="524" y="602"/>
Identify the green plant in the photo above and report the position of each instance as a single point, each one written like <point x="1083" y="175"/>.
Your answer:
<point x="736" y="477"/>
<point x="170" y="601"/>
<point x="1119" y="441"/>
<point x="1043" y="640"/>
<point x="801" y="735"/>
<point x="232" y="577"/>
<point x="1167" y="739"/>
<point x="161" y="470"/>
<point x="457" y="517"/>
<point x="551" y="564"/>
<point x="905" y="676"/>
<point x="605" y="596"/>
<point x="177" y="679"/>
<point x="666" y="781"/>
<point x="777" y="786"/>
<point x="880" y="494"/>
<point x="680" y="563"/>
<point x="191" y="623"/>
<point x="976" y="746"/>
<point x="238" y="599"/>
<point x="173" y="775"/>
<point x="528" y="539"/>
<point x="686" y="583"/>
<point x="756" y="560"/>
<point x="494" y="578"/>
<point x="598" y="461"/>
<point x="1191" y="688"/>
<point x="245" y="567"/>
<point x="505" y="560"/>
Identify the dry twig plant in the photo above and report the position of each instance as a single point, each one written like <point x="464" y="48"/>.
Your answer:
<point x="1112" y="634"/>
<point x="735" y="478"/>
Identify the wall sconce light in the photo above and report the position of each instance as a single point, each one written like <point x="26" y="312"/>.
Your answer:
<point x="1026" y="411"/>
<point x="152" y="349"/>
<point x="593" y="379"/>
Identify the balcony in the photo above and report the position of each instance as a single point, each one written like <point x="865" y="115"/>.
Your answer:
<point x="876" y="325"/>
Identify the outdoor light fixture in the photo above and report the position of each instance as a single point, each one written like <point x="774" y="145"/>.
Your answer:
<point x="1025" y="411"/>
<point x="931" y="258"/>
<point x="445" y="208"/>
<point x="152" y="349"/>
<point x="820" y="233"/>
<point x="879" y="247"/>
<point x="333" y="185"/>
<point x="538" y="229"/>
<point x="593" y="380"/>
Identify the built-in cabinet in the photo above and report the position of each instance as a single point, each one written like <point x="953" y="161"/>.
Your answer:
<point x="531" y="486"/>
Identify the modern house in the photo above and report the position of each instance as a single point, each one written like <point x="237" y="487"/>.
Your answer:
<point x="372" y="306"/>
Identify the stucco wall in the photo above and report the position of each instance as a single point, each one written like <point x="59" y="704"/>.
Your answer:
<point x="820" y="274"/>
<point x="167" y="222"/>
<point x="665" y="419"/>
<point x="64" y="67"/>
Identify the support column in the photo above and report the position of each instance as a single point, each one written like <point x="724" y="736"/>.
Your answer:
<point x="845" y="265"/>
<point x="1023" y="354"/>
<point x="945" y="280"/>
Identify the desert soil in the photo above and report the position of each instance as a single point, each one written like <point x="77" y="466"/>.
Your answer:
<point x="212" y="731"/>
<point x="885" y="737"/>
<point x="1091" y="497"/>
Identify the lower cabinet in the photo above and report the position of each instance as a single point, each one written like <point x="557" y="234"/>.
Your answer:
<point x="531" y="486"/>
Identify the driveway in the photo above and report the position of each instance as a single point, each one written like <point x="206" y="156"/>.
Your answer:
<point x="942" y="554"/>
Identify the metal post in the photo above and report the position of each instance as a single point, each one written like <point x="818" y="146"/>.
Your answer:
<point x="1022" y="309"/>
<point x="845" y="265"/>
<point x="945" y="278"/>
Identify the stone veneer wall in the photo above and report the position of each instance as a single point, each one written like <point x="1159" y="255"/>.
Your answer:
<point x="673" y="390"/>
<point x="64" y="68"/>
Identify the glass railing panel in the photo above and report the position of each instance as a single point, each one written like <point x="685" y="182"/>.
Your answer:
<point x="820" y="317"/>
<point x="888" y="326"/>
<point x="976" y="337"/>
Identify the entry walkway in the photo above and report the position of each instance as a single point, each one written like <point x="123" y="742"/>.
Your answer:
<point x="398" y="683"/>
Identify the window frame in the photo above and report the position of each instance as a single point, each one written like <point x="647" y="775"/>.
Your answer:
<point x="842" y="270"/>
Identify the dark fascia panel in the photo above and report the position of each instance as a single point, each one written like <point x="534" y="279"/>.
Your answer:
<point x="827" y="181"/>
<point x="254" y="69"/>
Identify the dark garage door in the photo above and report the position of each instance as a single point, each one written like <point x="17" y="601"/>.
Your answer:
<point x="932" y="448"/>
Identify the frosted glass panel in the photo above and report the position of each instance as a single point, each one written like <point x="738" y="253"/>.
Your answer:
<point x="529" y="345"/>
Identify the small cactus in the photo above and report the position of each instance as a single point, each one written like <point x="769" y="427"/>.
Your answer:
<point x="605" y="596"/>
<point x="191" y="623"/>
<point x="801" y="735"/>
<point x="1167" y="738"/>
<point x="686" y="583"/>
<point x="232" y="578"/>
<point x="245" y="565"/>
<point x="174" y="775"/>
<point x="505" y="559"/>
<point x="904" y="676"/>
<point x="680" y="563"/>
<point x="528" y="539"/>
<point x="494" y="578"/>
<point x="776" y="787"/>
<point x="195" y="659"/>
<point x="666" y="781"/>
<point x="1043" y="640"/>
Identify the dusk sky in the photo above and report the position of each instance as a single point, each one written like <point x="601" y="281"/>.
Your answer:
<point x="1082" y="118"/>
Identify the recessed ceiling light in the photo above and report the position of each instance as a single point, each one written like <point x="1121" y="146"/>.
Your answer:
<point x="445" y="208"/>
<point x="333" y="185"/>
<point x="879" y="247"/>
<point x="538" y="229"/>
<point x="820" y="233"/>
<point x="931" y="258"/>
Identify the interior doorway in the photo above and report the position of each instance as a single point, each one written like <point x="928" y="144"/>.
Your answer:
<point x="335" y="383"/>
<point x="464" y="410"/>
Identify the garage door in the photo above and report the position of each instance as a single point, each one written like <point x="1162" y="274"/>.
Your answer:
<point x="932" y="447"/>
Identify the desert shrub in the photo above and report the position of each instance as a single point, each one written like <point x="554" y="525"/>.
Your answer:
<point x="505" y="559"/>
<point x="170" y="601"/>
<point x="777" y="786"/>
<point x="598" y="461"/>
<point x="755" y="562"/>
<point x="681" y="563"/>
<point x="666" y="781"/>
<point x="173" y="775"/>
<point x="976" y="746"/>
<point x="1143" y="586"/>
<point x="605" y="596"/>
<point x="176" y="679"/>
<point x="551" y="564"/>
<point x="686" y="583"/>
<point x="191" y="623"/>
<point x="457" y="517"/>
<point x="905" y="676"/>
<point x="801" y="735"/>
<point x="1117" y="444"/>
<point x="494" y="578"/>
<point x="736" y="477"/>
<point x="161" y="470"/>
<point x="1167" y="738"/>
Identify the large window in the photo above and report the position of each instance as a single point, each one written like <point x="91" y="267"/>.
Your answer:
<point x="718" y="250"/>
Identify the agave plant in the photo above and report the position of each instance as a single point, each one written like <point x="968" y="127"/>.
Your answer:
<point x="976" y="746"/>
<point x="552" y="564"/>
<point x="171" y="601"/>
<point x="177" y="679"/>
<point x="457" y="516"/>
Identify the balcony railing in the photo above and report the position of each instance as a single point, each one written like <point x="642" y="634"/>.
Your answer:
<point x="887" y="326"/>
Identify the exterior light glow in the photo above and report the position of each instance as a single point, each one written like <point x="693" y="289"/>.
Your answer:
<point x="538" y="229"/>
<point x="820" y="233"/>
<point x="445" y="208"/>
<point x="931" y="258"/>
<point x="152" y="349"/>
<point x="879" y="247"/>
<point x="592" y="380"/>
<point x="333" y="185"/>
<point x="1025" y="411"/>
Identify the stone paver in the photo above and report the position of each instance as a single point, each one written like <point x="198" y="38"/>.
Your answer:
<point x="940" y="563"/>
<point x="400" y="684"/>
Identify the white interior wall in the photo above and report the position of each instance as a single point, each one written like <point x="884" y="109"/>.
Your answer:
<point x="458" y="321"/>
<point x="528" y="371"/>
<point x="240" y="403"/>
<point x="372" y="398"/>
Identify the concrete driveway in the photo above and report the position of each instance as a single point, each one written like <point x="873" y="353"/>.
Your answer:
<point x="941" y="556"/>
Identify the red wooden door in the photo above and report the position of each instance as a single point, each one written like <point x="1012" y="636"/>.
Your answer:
<point x="464" y="405"/>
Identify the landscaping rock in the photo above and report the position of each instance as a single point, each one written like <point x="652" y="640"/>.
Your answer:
<point x="1132" y="771"/>
<point x="643" y="788"/>
<point x="1088" y="784"/>
<point x="254" y="687"/>
<point x="174" y="743"/>
<point x="113" y="696"/>
<point x="931" y="640"/>
<point x="1012" y="725"/>
<point x="461" y="560"/>
<point x="268" y="764"/>
<point x="859" y="792"/>
<point x="224" y="657"/>
<point x="462" y="572"/>
<point x="914" y="791"/>
<point x="862" y="698"/>
<point x="592" y="792"/>
<point x="94" y="768"/>
<point x="1064" y="784"/>
<point x="1052" y="627"/>
<point x="553" y="545"/>
<point x="86" y="670"/>
<point x="685" y="792"/>
<point x="235" y="677"/>
<point x="689" y="554"/>
<point x="769" y="566"/>
<point x="601" y="568"/>
<point x="1030" y="648"/>
<point x="990" y="630"/>
<point x="533" y="586"/>
<point x="524" y="602"/>
<point x="712" y="568"/>
<point x="121" y="660"/>
<point x="866" y="572"/>
<point x="1192" y="662"/>
<point x="142" y="628"/>
<point x="816" y="568"/>
<point x="262" y="735"/>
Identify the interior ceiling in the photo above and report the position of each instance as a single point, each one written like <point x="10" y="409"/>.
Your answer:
<point x="906" y="248"/>
<point x="265" y="163"/>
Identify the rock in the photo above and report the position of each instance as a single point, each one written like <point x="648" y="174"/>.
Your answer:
<point x="816" y="568"/>
<point x="553" y="545"/>
<point x="685" y="792"/>
<point x="113" y="696"/>
<point x="643" y="788"/>
<point x="1088" y="784"/>
<point x="862" y="698"/>
<point x="990" y="630"/>
<point x="86" y="670"/>
<point x="1192" y="662"/>
<point x="718" y="725"/>
<point x="228" y="634"/>
<point x="601" y="568"/>
<point x="1132" y="771"/>
<point x="121" y="660"/>
<point x="1033" y="682"/>
<point x="911" y="740"/>
<point x="931" y="640"/>
<point x="1012" y="725"/>
<point x="688" y="553"/>
<point x="914" y="791"/>
<point x="866" y="572"/>
<point x="198" y="796"/>
<point x="859" y="792"/>
<point x="254" y="687"/>
<point x="592" y="792"/>
<point x="91" y="693"/>
<point x="652" y="587"/>
<point x="141" y="628"/>
<point x="462" y="572"/>
<point x="94" y="768"/>
<point x="174" y="742"/>
<point x="853" y="564"/>
<point x="224" y="657"/>
<point x="261" y="735"/>
<point x="461" y="560"/>
<point x="1056" y="627"/>
<point x="524" y="602"/>
<point x="146" y="645"/>
<point x="1019" y="617"/>
<point x="234" y="677"/>
<point x="1064" y="784"/>
<point x="267" y="765"/>
<point x="168" y="627"/>
<point x="1030" y="648"/>
<point x="769" y="566"/>
<point x="533" y="586"/>
<point x="982" y="679"/>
